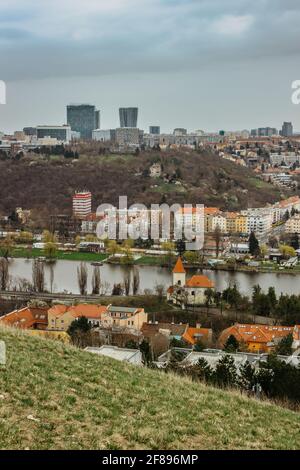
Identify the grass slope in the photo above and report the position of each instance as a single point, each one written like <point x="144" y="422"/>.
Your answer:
<point x="82" y="401"/>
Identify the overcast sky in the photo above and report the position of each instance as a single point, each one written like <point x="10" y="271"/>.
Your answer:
<point x="200" y="64"/>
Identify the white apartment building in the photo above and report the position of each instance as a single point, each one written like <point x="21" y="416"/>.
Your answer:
<point x="82" y="204"/>
<point x="259" y="220"/>
<point x="219" y="220"/>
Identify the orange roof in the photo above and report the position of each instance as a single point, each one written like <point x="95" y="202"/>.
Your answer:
<point x="81" y="310"/>
<point x="190" y="210"/>
<point x="255" y="333"/>
<point x="192" y="335"/>
<point x="211" y="210"/>
<point x="200" y="281"/>
<point x="179" y="268"/>
<point x="26" y="317"/>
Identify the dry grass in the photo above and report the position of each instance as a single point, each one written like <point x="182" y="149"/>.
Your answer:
<point x="81" y="401"/>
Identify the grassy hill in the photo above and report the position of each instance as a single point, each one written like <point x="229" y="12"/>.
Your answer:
<point x="54" y="396"/>
<point x="204" y="177"/>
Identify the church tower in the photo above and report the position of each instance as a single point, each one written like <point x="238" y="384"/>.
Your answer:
<point x="179" y="273"/>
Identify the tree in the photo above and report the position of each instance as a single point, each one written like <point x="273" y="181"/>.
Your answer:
<point x="180" y="246"/>
<point x="284" y="346"/>
<point x="225" y="374"/>
<point x="202" y="371"/>
<point x="287" y="251"/>
<point x="4" y="274"/>
<point x="38" y="276"/>
<point x="117" y="290"/>
<point x="253" y="244"/>
<point x="96" y="281"/>
<point x="127" y="282"/>
<point x="295" y="241"/>
<point x="6" y="247"/>
<point x="146" y="352"/>
<point x="112" y="247"/>
<point x="232" y="344"/>
<point x="247" y="376"/>
<point x="135" y="281"/>
<point x="82" y="276"/>
<point x="209" y="296"/>
<point x="217" y="238"/>
<point x="50" y="250"/>
<point x="79" y="331"/>
<point x="272" y="298"/>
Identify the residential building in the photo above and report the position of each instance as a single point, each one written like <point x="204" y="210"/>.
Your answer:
<point x="60" y="133"/>
<point x="219" y="220"/>
<point x="259" y="221"/>
<point x="208" y="213"/>
<point x="155" y="170"/>
<point x="61" y="316"/>
<point x="179" y="131"/>
<point x="124" y="317"/>
<point x="83" y="118"/>
<point x="132" y="356"/>
<point x="128" y="117"/>
<point x="82" y="204"/>
<point x="293" y="224"/>
<point x="194" y="335"/>
<point x="258" y="338"/>
<point x="27" y="318"/>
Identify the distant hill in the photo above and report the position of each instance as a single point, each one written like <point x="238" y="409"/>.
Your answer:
<point x="53" y="396"/>
<point x="200" y="178"/>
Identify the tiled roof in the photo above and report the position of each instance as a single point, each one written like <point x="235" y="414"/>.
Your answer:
<point x="200" y="281"/>
<point x="26" y="317"/>
<point x="255" y="333"/>
<point x="179" y="268"/>
<point x="192" y="335"/>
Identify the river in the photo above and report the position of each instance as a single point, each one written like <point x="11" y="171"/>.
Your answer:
<point x="65" y="277"/>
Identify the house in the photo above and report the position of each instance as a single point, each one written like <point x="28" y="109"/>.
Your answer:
<point x="60" y="316"/>
<point x="259" y="338"/>
<point x="27" y="318"/>
<point x="133" y="356"/>
<point x="188" y="291"/>
<point x="124" y="317"/>
<point x="194" y="335"/>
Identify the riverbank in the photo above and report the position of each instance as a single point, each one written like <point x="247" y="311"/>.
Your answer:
<point x="21" y="252"/>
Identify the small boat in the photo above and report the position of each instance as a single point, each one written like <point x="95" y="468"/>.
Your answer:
<point x="97" y="263"/>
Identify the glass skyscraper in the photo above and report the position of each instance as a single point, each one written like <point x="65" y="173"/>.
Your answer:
<point x="128" y="117"/>
<point x="83" y="118"/>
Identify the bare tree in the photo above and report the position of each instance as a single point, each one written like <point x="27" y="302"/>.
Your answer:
<point x="136" y="281"/>
<point x="96" y="281"/>
<point x="160" y="290"/>
<point x="82" y="276"/>
<point x="51" y="277"/>
<point x="38" y="276"/>
<point x="217" y="237"/>
<point x="4" y="275"/>
<point x="127" y="282"/>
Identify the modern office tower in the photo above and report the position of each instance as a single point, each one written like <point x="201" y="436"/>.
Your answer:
<point x="128" y="117"/>
<point x="83" y="118"/>
<point x="155" y="130"/>
<point x="61" y="133"/>
<point x="287" y="129"/>
<point x="82" y="204"/>
<point x="179" y="131"/>
<point x="30" y="131"/>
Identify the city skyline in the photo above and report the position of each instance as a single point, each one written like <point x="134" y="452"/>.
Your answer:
<point x="212" y="65"/>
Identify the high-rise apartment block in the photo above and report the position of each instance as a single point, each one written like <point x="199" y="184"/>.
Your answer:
<point x="128" y="117"/>
<point x="82" y="204"/>
<point x="83" y="118"/>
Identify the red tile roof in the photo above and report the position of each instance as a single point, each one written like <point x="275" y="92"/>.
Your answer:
<point x="179" y="268"/>
<point x="200" y="281"/>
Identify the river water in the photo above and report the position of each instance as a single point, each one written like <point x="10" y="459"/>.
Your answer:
<point x="65" y="277"/>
